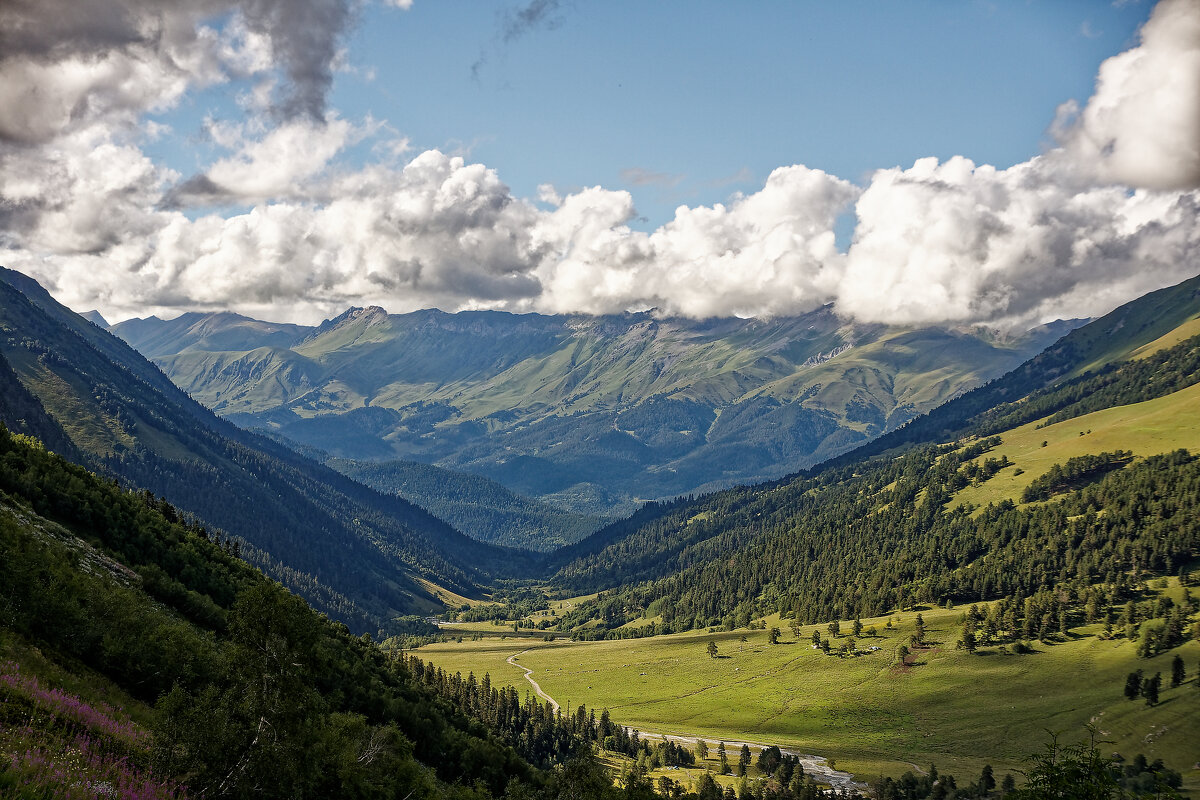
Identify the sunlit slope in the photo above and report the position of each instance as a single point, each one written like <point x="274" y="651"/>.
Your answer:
<point x="1135" y="324"/>
<point x="1168" y="340"/>
<point x="216" y="332"/>
<point x="1147" y="428"/>
<point x="955" y="710"/>
<point x="242" y="381"/>
<point x="886" y="382"/>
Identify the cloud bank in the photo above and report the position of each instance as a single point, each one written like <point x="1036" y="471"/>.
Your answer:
<point x="1110" y="212"/>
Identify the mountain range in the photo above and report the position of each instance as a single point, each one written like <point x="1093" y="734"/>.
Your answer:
<point x="947" y="498"/>
<point x="589" y="414"/>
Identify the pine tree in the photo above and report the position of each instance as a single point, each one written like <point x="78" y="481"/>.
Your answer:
<point x="968" y="636"/>
<point x="1178" y="672"/>
<point x="1133" y="685"/>
<point x="743" y="760"/>
<point x="1150" y="689"/>
<point x="987" y="780"/>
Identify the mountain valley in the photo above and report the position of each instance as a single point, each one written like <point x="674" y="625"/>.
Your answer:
<point x="1048" y="514"/>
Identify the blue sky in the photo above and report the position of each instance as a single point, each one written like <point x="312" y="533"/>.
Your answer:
<point x="688" y="102"/>
<point x="705" y="98"/>
<point x="953" y="163"/>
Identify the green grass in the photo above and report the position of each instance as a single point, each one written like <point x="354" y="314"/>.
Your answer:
<point x="1155" y="426"/>
<point x="1168" y="340"/>
<point x="1120" y="334"/>
<point x="869" y="715"/>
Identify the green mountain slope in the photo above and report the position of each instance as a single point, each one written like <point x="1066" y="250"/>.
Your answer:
<point x="220" y="331"/>
<point x="590" y="414"/>
<point x="141" y="658"/>
<point x="793" y="546"/>
<point x="358" y="555"/>
<point x="1137" y="329"/>
<point x="478" y="507"/>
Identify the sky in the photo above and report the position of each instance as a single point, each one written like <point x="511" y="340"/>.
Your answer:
<point x="999" y="164"/>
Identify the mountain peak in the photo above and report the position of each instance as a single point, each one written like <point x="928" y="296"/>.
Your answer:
<point x="351" y="314"/>
<point x="95" y="318"/>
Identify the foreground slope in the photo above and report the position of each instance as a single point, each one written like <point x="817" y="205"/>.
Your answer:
<point x="143" y="657"/>
<point x="590" y="413"/>
<point x="361" y="556"/>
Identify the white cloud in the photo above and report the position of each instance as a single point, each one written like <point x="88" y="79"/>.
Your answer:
<point x="1142" y="125"/>
<point x="771" y="252"/>
<point x="278" y="165"/>
<point x="84" y="209"/>
<point x="956" y="243"/>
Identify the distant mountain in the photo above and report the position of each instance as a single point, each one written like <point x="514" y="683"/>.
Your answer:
<point x="153" y="337"/>
<point x="361" y="556"/>
<point x="588" y="413"/>
<point x="95" y="318"/>
<point x="480" y="508"/>
<point x="1159" y="319"/>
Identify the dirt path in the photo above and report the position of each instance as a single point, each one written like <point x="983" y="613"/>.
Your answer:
<point x="816" y="766"/>
<point x="528" y="676"/>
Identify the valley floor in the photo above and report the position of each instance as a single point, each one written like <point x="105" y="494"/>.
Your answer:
<point x="869" y="714"/>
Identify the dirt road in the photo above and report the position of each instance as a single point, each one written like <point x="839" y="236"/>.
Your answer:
<point x="528" y="676"/>
<point x="816" y="766"/>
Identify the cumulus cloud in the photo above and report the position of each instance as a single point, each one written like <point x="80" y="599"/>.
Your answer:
<point x="276" y="165"/>
<point x="1108" y="214"/>
<point x="1142" y="125"/>
<point x="772" y="252"/>
<point x="957" y="243"/>
<point x="1062" y="234"/>
<point x="436" y="232"/>
<point x="65" y="64"/>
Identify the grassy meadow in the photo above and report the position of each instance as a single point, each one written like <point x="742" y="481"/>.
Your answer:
<point x="871" y="714"/>
<point x="867" y="713"/>
<point x="1149" y="428"/>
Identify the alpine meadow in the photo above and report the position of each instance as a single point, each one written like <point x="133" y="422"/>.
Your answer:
<point x="599" y="401"/>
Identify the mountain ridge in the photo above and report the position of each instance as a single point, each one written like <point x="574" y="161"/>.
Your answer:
<point x="593" y="414"/>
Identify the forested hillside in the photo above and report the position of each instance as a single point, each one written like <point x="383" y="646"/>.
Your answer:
<point x="479" y="507"/>
<point x="201" y="678"/>
<point x="866" y="535"/>
<point x="361" y="556"/>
